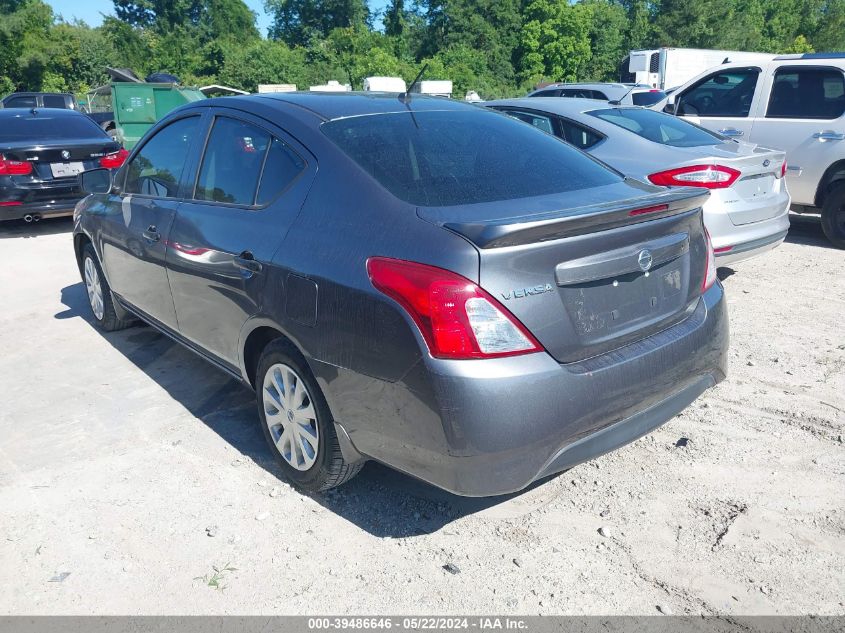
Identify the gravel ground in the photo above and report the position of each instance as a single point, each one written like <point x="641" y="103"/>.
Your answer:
<point x="130" y="471"/>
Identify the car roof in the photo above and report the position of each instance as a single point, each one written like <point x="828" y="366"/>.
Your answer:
<point x="619" y="88"/>
<point x="336" y="105"/>
<point x="39" y="112"/>
<point x="563" y="106"/>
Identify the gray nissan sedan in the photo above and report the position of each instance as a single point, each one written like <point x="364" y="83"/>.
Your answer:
<point x="412" y="280"/>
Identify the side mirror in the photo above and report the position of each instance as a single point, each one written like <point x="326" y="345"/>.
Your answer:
<point x="96" y="181"/>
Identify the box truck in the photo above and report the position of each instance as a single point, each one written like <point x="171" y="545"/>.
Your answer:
<point x="667" y="68"/>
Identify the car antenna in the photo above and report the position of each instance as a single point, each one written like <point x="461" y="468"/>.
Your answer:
<point x="406" y="97"/>
<point x="616" y="102"/>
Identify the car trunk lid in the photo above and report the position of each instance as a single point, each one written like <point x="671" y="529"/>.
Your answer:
<point x="585" y="278"/>
<point x="758" y="192"/>
<point x="59" y="160"/>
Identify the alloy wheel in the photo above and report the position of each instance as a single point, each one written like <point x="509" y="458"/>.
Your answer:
<point x="94" y="288"/>
<point x="290" y="415"/>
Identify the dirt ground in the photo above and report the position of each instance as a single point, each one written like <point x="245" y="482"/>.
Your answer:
<point x="130" y="471"/>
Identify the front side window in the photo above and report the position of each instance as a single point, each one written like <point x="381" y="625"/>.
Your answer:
<point x="807" y="93"/>
<point x="457" y="157"/>
<point x="157" y="168"/>
<point x="726" y="94"/>
<point x="658" y="127"/>
<point x="21" y="102"/>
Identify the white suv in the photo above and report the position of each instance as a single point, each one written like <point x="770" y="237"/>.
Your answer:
<point x="794" y="103"/>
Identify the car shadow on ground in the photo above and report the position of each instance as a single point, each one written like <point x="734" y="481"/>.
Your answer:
<point x="807" y="230"/>
<point x="380" y="500"/>
<point x="20" y="229"/>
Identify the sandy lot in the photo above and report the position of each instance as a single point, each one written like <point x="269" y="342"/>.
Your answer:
<point x="130" y="470"/>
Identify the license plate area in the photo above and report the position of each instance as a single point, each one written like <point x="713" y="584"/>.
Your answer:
<point x="614" y="306"/>
<point x="66" y="170"/>
<point x="756" y="187"/>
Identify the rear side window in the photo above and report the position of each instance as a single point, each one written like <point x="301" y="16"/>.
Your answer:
<point x="244" y="165"/>
<point x="446" y="158"/>
<point x="658" y="127"/>
<point x="20" y="102"/>
<point x="537" y="120"/>
<point x="807" y="93"/>
<point x="725" y="94"/>
<point x="647" y="98"/>
<point x="578" y="135"/>
<point x="583" y="93"/>
<point x="45" y="126"/>
<point x="282" y="167"/>
<point x="232" y="162"/>
<point x="54" y="101"/>
<point x="546" y="93"/>
<point x="157" y="168"/>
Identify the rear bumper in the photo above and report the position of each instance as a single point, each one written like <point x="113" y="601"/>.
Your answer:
<point x="501" y="424"/>
<point x="41" y="209"/>
<point x="744" y="241"/>
<point x="747" y="250"/>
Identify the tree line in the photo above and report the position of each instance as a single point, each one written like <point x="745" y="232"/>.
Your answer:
<point x="495" y="47"/>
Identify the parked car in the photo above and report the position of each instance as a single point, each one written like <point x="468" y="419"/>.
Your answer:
<point x="793" y="102"/>
<point x="666" y="67"/>
<point x="41" y="154"/>
<point x="627" y="94"/>
<point x="62" y="100"/>
<point x="421" y="282"/>
<point x="748" y="209"/>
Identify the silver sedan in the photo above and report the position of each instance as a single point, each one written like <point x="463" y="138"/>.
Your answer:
<point x="748" y="209"/>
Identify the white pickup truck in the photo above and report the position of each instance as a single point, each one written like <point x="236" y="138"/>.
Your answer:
<point x="794" y="103"/>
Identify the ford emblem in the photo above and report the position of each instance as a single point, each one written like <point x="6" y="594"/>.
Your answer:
<point x="645" y="260"/>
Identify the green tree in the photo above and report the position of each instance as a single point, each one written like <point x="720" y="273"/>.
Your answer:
<point x="555" y="41"/>
<point x="295" y="22"/>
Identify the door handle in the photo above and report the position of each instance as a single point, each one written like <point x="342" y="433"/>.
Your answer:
<point x="246" y="261"/>
<point x="829" y="136"/>
<point x="732" y="132"/>
<point x="152" y="234"/>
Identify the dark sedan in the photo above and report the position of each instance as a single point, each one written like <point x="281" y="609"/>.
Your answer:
<point x="420" y="282"/>
<point x="42" y="152"/>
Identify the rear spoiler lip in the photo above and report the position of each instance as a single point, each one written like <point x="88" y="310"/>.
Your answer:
<point x="578" y="220"/>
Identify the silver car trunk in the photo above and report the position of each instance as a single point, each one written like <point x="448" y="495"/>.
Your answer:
<point x="754" y="197"/>
<point x="590" y="278"/>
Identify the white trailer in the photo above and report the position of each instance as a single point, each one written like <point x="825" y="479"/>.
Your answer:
<point x="331" y="86"/>
<point x="433" y="87"/>
<point x="384" y="84"/>
<point x="666" y="68"/>
<point x="271" y="88"/>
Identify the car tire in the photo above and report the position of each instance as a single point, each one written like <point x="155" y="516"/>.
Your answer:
<point x="100" y="299"/>
<point x="294" y="417"/>
<point x="833" y="216"/>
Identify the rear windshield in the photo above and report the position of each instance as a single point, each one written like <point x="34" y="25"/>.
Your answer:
<point x="647" y="98"/>
<point x="446" y="158"/>
<point x="44" y="127"/>
<point x="658" y="127"/>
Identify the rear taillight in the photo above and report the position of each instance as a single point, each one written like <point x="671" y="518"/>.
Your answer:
<point x="710" y="271"/>
<point x="457" y="319"/>
<point x="114" y="160"/>
<point x="783" y="170"/>
<point x="10" y="167"/>
<point x="707" y="176"/>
